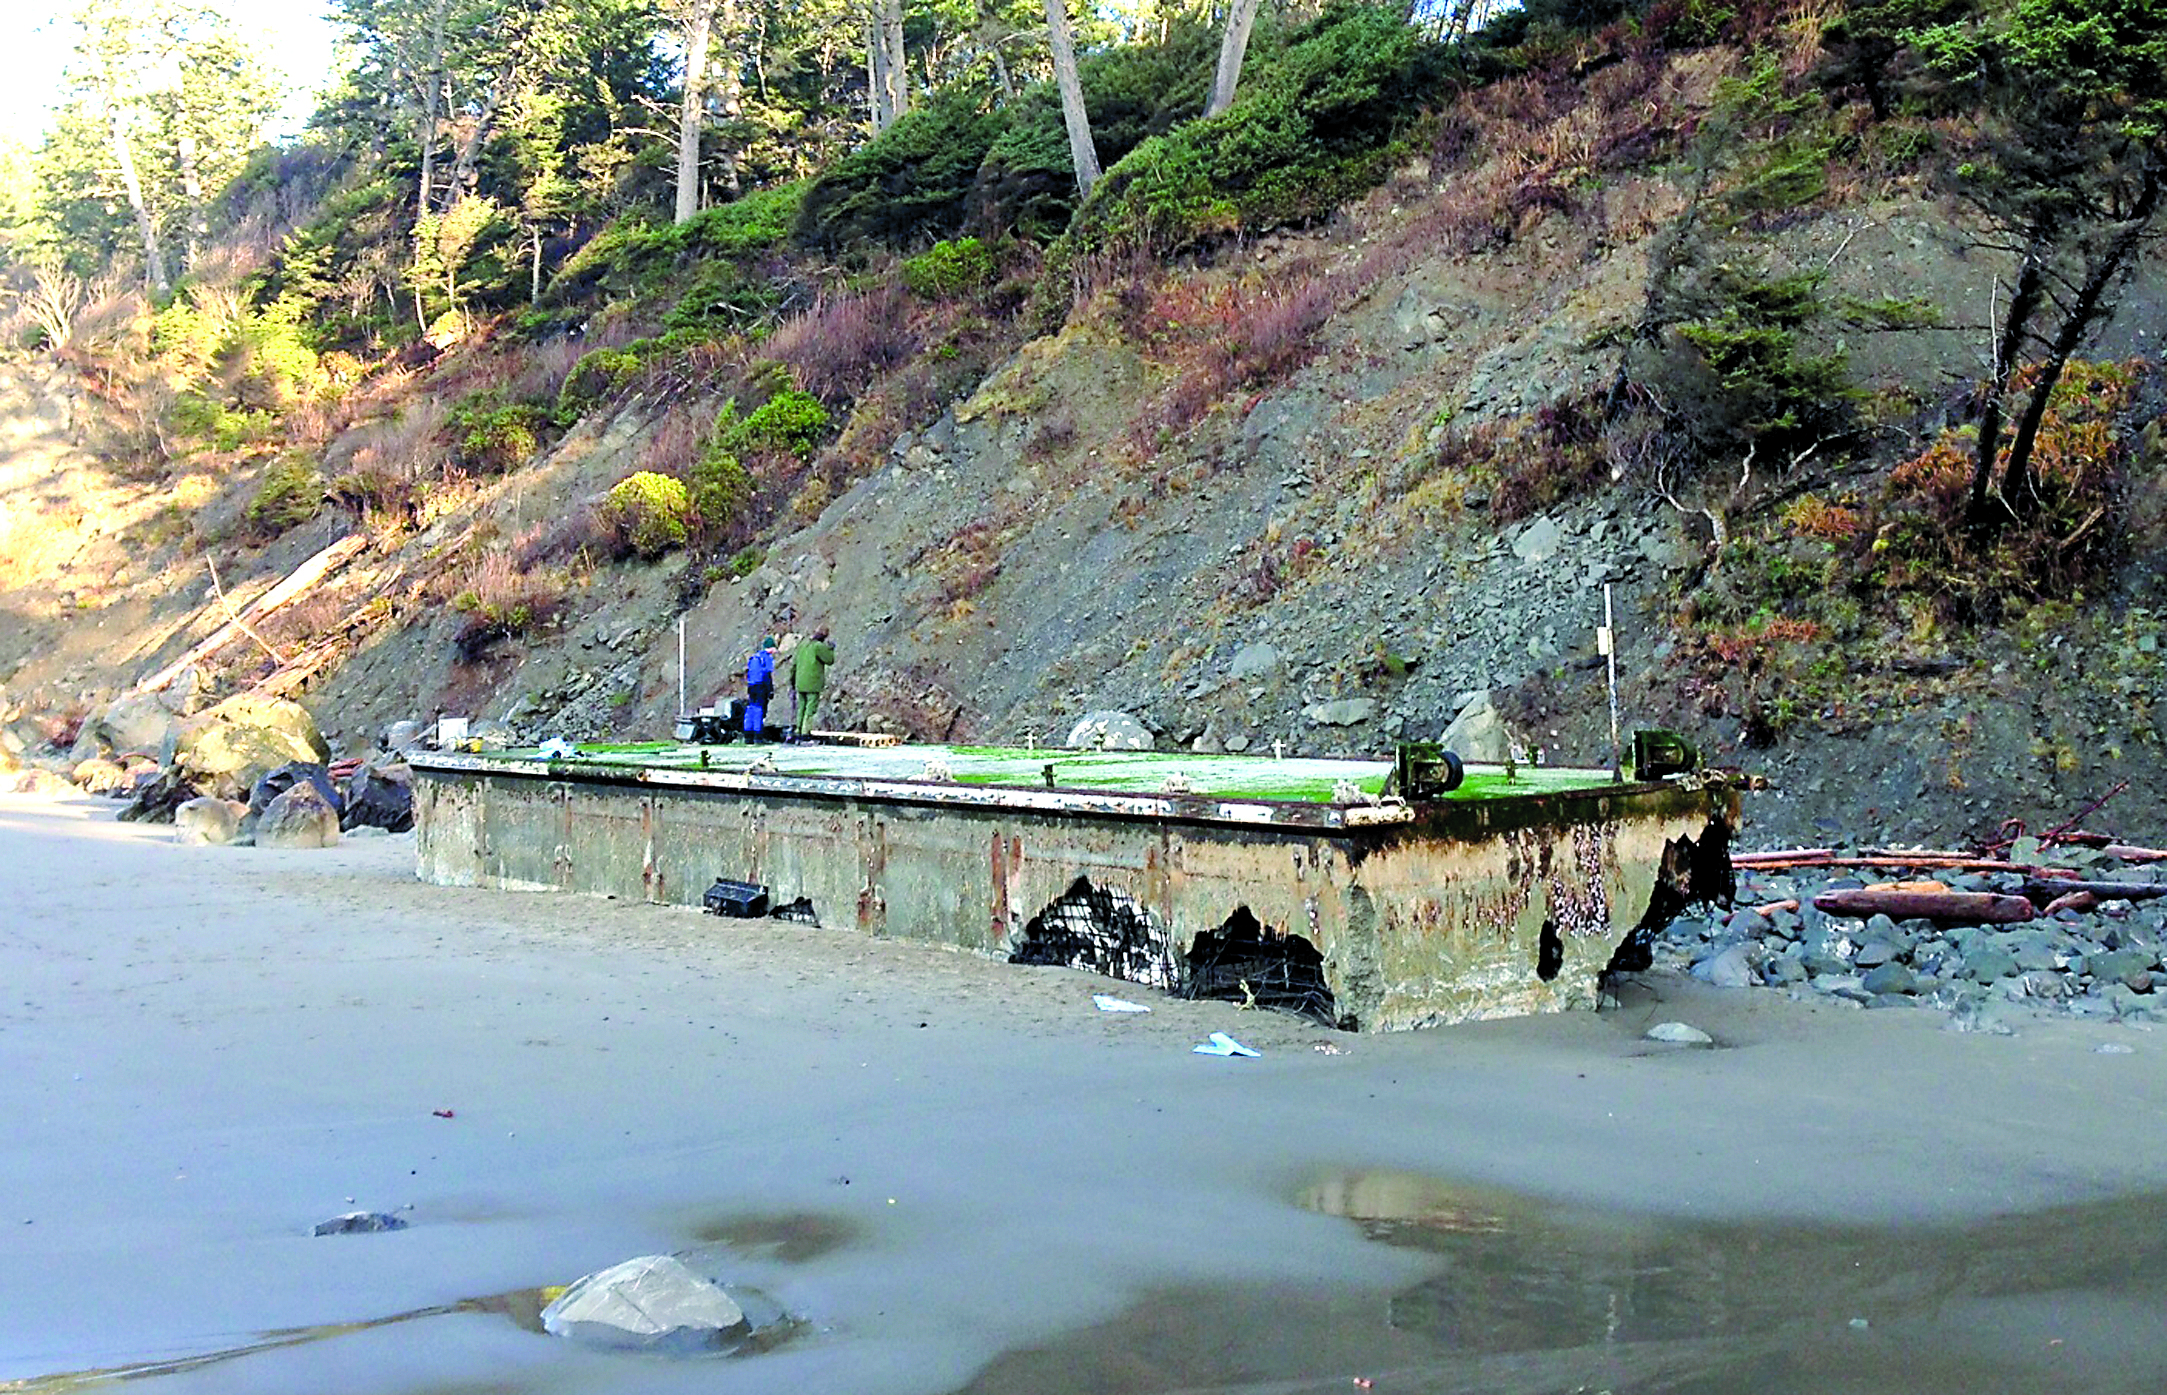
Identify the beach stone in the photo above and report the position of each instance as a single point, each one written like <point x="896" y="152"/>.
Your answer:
<point x="1889" y="978"/>
<point x="1108" y="730"/>
<point x="2044" y="983"/>
<point x="143" y="722"/>
<point x="2033" y="953"/>
<point x="1679" y="1032"/>
<point x="1342" y="712"/>
<point x="379" y="795"/>
<point x="1786" y="968"/>
<point x="98" y="776"/>
<point x="2122" y="965"/>
<point x="206" y="822"/>
<point x="1730" y="968"/>
<point x="1539" y="541"/>
<point x="1478" y="733"/>
<point x="403" y="736"/>
<point x="231" y="746"/>
<point x="1989" y="962"/>
<point x="1254" y="661"/>
<point x="39" y="781"/>
<point x="1873" y="954"/>
<point x="1747" y="924"/>
<point x="299" y="818"/>
<point x="651" y="1303"/>
<point x="358" y="1223"/>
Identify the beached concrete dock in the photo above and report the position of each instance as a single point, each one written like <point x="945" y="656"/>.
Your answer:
<point x="1306" y="883"/>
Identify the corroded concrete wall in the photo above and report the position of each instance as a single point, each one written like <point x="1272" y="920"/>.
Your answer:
<point x="1500" y="910"/>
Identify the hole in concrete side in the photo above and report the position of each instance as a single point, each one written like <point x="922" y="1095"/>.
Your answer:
<point x="1100" y="929"/>
<point x="1245" y="962"/>
<point x="1694" y="871"/>
<point x="1549" y="952"/>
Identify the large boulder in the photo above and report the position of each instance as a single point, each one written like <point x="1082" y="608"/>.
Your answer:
<point x="1479" y="733"/>
<point x="37" y="780"/>
<point x="157" y="799"/>
<point x="277" y="782"/>
<point x="206" y="822"/>
<point x="1109" y="730"/>
<point x="653" y="1303"/>
<point x="137" y="722"/>
<point x="99" y="776"/>
<point x="244" y="738"/>
<point x="300" y="818"/>
<point x="380" y="795"/>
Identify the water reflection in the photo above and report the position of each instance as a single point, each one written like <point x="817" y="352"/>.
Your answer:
<point x="1531" y="1297"/>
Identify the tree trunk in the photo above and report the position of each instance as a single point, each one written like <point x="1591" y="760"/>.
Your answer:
<point x="692" y="112"/>
<point x="432" y="99"/>
<point x="730" y="97"/>
<point x="1978" y="513"/>
<point x="154" y="262"/>
<point x="1232" y="48"/>
<point x="2018" y="487"/>
<point x="876" y="76"/>
<point x="1081" y="152"/>
<point x="470" y="150"/>
<point x="534" y="265"/>
<point x="895" y="64"/>
<point x="199" y="228"/>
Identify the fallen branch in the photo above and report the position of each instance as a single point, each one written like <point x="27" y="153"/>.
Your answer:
<point x="1787" y="904"/>
<point x="1963" y="907"/>
<point x="233" y="617"/>
<point x="2134" y="854"/>
<point x="299" y="582"/>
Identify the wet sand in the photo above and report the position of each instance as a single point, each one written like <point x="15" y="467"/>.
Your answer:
<point x="959" y="1172"/>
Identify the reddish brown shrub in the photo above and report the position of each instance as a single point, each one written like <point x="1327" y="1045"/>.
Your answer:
<point x="836" y="349"/>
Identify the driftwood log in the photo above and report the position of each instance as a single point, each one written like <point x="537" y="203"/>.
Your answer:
<point x="1958" y="907"/>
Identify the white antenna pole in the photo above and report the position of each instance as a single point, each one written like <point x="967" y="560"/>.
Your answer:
<point x="681" y="665"/>
<point x="1607" y="641"/>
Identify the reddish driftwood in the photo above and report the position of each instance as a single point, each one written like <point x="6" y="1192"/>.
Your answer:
<point x="2039" y="889"/>
<point x="2072" y="901"/>
<point x="1788" y="904"/>
<point x="2134" y="854"/>
<point x="1944" y="861"/>
<point x="1966" y="907"/>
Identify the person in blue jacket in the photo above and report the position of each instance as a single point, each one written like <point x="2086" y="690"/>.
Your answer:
<point x="760" y="688"/>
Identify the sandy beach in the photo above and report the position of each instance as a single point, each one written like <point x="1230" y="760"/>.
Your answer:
<point x="960" y="1175"/>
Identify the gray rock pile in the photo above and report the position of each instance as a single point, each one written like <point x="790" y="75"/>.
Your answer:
<point x="2100" y="961"/>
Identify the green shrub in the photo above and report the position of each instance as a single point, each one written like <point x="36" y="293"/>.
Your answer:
<point x="949" y="268"/>
<point x="1311" y="129"/>
<point x="910" y="182"/>
<point x="290" y="494"/>
<point x="791" y="422"/>
<point x="649" y="514"/>
<point x="496" y="435"/>
<point x="1026" y="185"/>
<point x="636" y="254"/>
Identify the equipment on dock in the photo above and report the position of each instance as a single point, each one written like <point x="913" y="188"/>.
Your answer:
<point x="738" y="900"/>
<point x="713" y="726"/>
<point x="1659" y="753"/>
<point x="1426" y="770"/>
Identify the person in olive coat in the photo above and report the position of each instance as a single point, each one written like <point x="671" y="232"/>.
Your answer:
<point x="809" y="675"/>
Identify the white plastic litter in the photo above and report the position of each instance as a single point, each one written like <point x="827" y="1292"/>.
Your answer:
<point x="1108" y="1003"/>
<point x="557" y="748"/>
<point x="1223" y="1045"/>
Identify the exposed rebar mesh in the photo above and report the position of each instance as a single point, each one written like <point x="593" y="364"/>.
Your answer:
<point x="1242" y="962"/>
<point x="1101" y="930"/>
